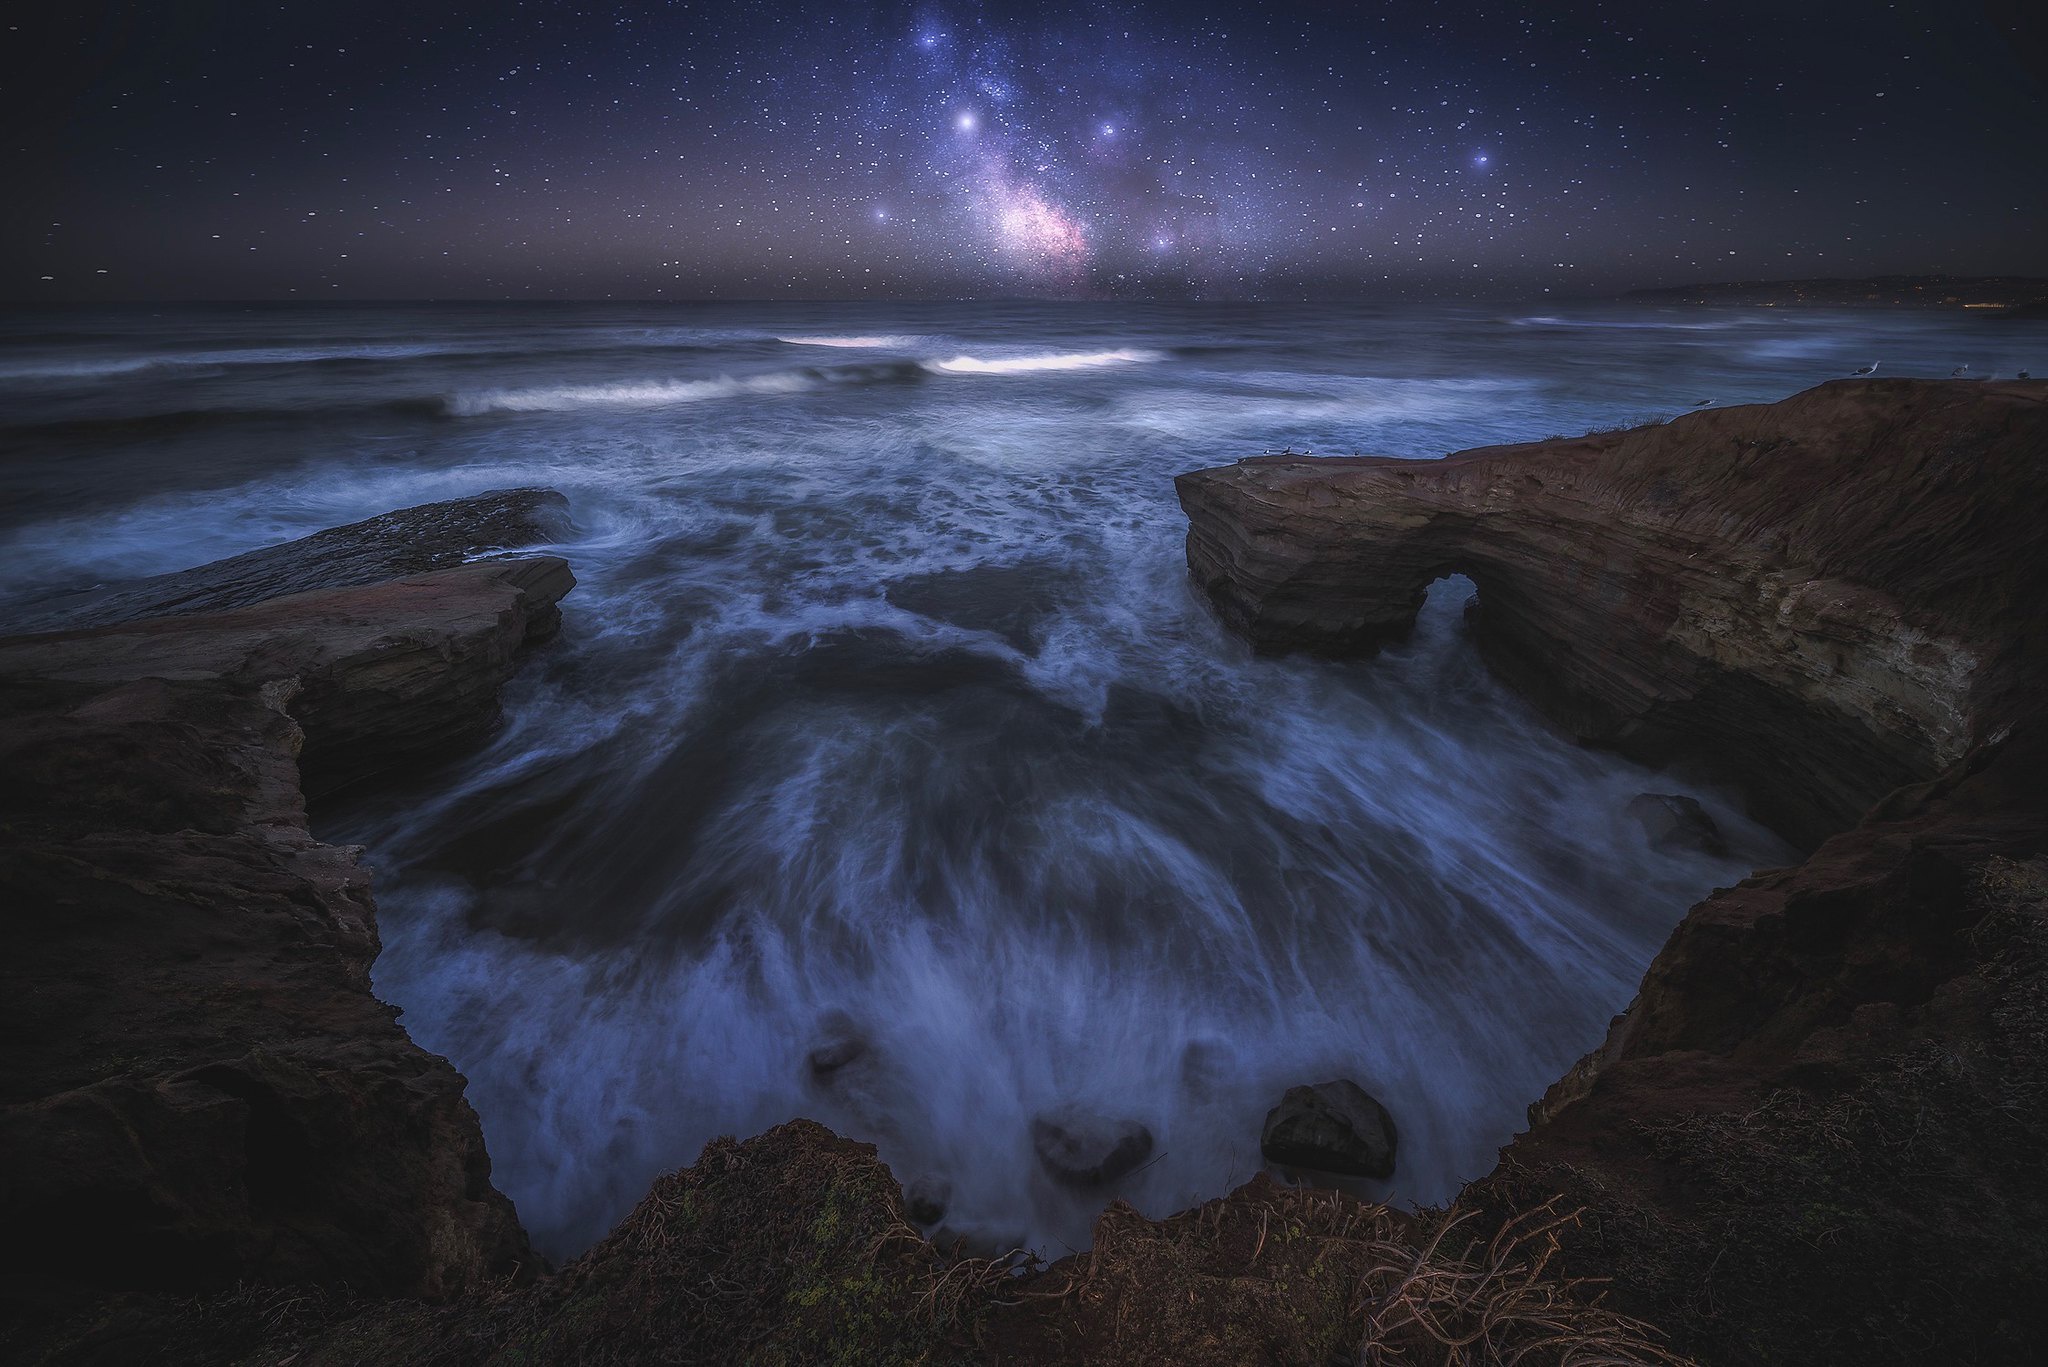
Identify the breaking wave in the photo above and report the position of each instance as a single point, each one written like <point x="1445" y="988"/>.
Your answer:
<point x="854" y="343"/>
<point x="1025" y="365"/>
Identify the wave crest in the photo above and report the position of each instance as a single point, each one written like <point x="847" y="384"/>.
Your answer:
<point x="1062" y="360"/>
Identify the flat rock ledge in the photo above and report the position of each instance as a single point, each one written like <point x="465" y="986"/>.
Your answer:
<point x="197" y="1087"/>
<point x="410" y="541"/>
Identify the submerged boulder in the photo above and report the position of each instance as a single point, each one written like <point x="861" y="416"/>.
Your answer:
<point x="1336" y="1127"/>
<point x="1083" y="1149"/>
<point x="925" y="1200"/>
<point x="840" y="1044"/>
<point x="1674" y="822"/>
<point x="1205" y="1063"/>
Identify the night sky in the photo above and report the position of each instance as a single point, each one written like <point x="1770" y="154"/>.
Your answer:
<point x="532" y="150"/>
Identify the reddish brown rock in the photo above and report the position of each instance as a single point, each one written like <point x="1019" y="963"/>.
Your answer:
<point x="197" y="1087"/>
<point x="410" y="541"/>
<point x="1816" y="1133"/>
<point x="1822" y="599"/>
<point x="386" y="675"/>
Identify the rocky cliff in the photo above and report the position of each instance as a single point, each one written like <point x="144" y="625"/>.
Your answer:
<point x="1815" y="1134"/>
<point x="197" y="1088"/>
<point x="1820" y="599"/>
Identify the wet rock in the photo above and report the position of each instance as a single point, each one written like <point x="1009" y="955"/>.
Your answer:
<point x="380" y="678"/>
<point x="1752" y="588"/>
<point x="1336" y="1127"/>
<point x="410" y="541"/>
<point x="1083" y="1149"/>
<point x="201" y="1089"/>
<point x="841" y="1043"/>
<point x="1673" y="821"/>
<point x="925" y="1200"/>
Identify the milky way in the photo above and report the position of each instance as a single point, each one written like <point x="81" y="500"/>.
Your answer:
<point x="837" y="150"/>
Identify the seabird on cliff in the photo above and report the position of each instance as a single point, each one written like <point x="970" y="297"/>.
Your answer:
<point x="1961" y="372"/>
<point x="1870" y="369"/>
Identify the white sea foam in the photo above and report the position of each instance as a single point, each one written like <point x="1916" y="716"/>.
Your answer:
<point x="892" y="342"/>
<point x="662" y="393"/>
<point x="627" y="394"/>
<point x="179" y="360"/>
<point x="1025" y="365"/>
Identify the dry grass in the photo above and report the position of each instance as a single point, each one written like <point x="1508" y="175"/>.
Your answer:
<point x="1289" y="1275"/>
<point x="1505" y="1304"/>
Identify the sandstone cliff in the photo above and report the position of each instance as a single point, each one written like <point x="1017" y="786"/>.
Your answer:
<point x="199" y="1088"/>
<point x="1816" y="1133"/>
<point x="1820" y="599"/>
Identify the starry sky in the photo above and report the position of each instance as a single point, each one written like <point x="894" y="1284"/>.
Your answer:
<point x="1327" y="148"/>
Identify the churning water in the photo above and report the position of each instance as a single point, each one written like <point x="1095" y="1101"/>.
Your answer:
<point x="884" y="705"/>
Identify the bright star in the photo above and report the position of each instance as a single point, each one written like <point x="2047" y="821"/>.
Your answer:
<point x="965" y="123"/>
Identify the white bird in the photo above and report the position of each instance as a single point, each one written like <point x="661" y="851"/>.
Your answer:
<point x="1870" y="369"/>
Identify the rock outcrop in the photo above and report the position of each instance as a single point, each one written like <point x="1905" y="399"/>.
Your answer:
<point x="1079" y="1148"/>
<point x="1820" y="599"/>
<point x="1673" y="821"/>
<point x="410" y="541"/>
<point x="197" y="1087"/>
<point x="1815" y="1133"/>
<point x="1336" y="1127"/>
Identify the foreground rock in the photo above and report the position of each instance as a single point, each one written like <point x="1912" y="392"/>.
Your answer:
<point x="1082" y="1149"/>
<point x="385" y="677"/>
<point x="1673" y="821"/>
<point x="411" y="541"/>
<point x="197" y="1087"/>
<point x="1815" y="1135"/>
<point x="1335" y="1127"/>
<point x="1820" y="599"/>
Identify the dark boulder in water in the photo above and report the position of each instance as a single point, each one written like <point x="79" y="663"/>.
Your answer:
<point x="925" y="1200"/>
<point x="1673" y="821"/>
<point x="1336" y="1127"/>
<point x="841" y="1043"/>
<point x="1082" y="1149"/>
<point x="420" y="540"/>
<point x="1205" y="1063"/>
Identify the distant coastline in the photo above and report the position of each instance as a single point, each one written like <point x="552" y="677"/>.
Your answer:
<point x="2003" y="295"/>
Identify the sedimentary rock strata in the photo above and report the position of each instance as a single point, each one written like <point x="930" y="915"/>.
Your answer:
<point x="199" y="1087"/>
<point x="410" y="541"/>
<point x="1815" y="1134"/>
<point x="1821" y="599"/>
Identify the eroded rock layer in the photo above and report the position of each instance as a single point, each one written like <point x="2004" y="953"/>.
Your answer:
<point x="1815" y="1133"/>
<point x="197" y="1087"/>
<point x="432" y="536"/>
<point x="1821" y="599"/>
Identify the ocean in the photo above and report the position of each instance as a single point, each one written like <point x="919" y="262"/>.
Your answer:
<point x="885" y="709"/>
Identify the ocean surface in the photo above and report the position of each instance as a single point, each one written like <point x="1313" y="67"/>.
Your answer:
<point x="884" y="707"/>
